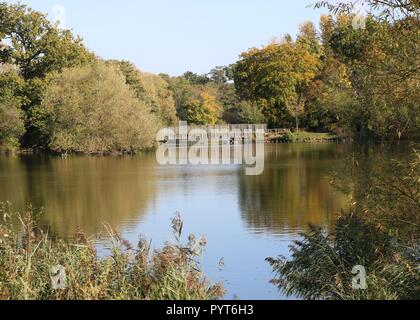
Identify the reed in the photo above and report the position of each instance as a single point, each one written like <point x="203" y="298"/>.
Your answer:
<point x="28" y="254"/>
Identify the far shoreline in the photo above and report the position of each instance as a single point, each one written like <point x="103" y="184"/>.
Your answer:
<point x="303" y="137"/>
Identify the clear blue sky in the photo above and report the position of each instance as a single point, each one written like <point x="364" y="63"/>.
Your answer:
<point x="173" y="36"/>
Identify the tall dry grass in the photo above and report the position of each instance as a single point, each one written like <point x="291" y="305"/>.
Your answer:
<point x="27" y="255"/>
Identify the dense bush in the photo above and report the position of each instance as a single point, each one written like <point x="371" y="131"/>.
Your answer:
<point x="92" y="110"/>
<point x="321" y="265"/>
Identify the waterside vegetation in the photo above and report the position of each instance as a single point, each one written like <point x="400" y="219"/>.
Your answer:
<point x="28" y="255"/>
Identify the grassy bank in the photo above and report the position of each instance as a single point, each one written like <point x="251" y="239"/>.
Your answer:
<point x="28" y="255"/>
<point x="302" y="137"/>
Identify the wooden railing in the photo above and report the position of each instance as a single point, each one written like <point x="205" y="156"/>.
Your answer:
<point x="221" y="132"/>
<point x="278" y="131"/>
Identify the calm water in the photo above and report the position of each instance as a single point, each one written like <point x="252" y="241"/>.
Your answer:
<point x="245" y="218"/>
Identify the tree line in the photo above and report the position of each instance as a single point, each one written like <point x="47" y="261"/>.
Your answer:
<point x="57" y="95"/>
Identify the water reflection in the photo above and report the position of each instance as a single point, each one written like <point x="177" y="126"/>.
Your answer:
<point x="85" y="192"/>
<point x="294" y="190"/>
<point x="80" y="192"/>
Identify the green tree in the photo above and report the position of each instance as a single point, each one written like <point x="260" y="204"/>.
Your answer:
<point x="183" y="91"/>
<point x="308" y="39"/>
<point x="35" y="44"/>
<point x="11" y="115"/>
<point x="151" y="89"/>
<point x="204" y="110"/>
<point x="196" y="79"/>
<point x="275" y="78"/>
<point x="383" y="66"/>
<point x="36" y="47"/>
<point x="220" y="75"/>
<point x="92" y="110"/>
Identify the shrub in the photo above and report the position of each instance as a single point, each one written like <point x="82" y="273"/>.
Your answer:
<point x="321" y="264"/>
<point x="288" y="137"/>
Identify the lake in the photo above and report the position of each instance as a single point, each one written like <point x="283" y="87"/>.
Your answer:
<point x="244" y="218"/>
